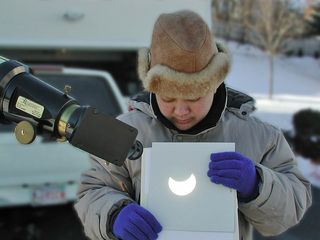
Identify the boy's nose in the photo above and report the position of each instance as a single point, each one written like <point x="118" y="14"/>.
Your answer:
<point x="181" y="109"/>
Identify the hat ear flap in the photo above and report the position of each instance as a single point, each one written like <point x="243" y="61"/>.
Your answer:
<point x="144" y="60"/>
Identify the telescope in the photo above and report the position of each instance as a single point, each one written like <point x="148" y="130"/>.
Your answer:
<point x="38" y="108"/>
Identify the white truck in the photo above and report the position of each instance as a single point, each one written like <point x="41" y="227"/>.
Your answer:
<point x="79" y="34"/>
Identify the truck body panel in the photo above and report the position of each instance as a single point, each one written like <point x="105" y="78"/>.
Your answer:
<point x="84" y="24"/>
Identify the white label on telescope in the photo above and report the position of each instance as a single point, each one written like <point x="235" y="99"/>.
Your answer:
<point x="29" y="107"/>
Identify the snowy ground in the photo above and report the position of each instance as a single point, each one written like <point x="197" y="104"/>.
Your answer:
<point x="294" y="77"/>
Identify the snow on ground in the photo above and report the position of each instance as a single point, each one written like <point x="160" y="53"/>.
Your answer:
<point x="297" y="86"/>
<point x="293" y="76"/>
<point x="296" y="81"/>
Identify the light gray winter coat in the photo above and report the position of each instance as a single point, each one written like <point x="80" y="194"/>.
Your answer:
<point x="284" y="195"/>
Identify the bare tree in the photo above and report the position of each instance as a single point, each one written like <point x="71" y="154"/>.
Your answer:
<point x="244" y="9"/>
<point x="271" y="23"/>
<point x="222" y="13"/>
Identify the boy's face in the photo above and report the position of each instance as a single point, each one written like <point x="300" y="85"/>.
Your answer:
<point x="185" y="113"/>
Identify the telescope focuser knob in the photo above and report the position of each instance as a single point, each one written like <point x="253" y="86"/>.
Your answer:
<point x="67" y="89"/>
<point x="25" y="132"/>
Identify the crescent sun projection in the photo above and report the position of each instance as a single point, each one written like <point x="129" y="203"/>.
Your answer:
<point x="182" y="188"/>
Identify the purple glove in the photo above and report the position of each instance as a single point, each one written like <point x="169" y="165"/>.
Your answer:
<point x="236" y="171"/>
<point x="136" y="223"/>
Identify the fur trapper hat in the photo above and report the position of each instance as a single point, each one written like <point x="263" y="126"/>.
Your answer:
<point x="183" y="61"/>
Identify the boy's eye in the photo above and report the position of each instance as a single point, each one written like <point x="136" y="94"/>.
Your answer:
<point x="193" y="100"/>
<point x="166" y="99"/>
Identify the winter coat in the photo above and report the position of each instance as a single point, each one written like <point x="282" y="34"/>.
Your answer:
<point x="284" y="194"/>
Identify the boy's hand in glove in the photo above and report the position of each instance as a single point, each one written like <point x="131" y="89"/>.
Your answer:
<point x="136" y="223"/>
<point x="236" y="171"/>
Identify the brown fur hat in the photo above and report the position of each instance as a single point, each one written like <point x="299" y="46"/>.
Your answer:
<point x="183" y="61"/>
